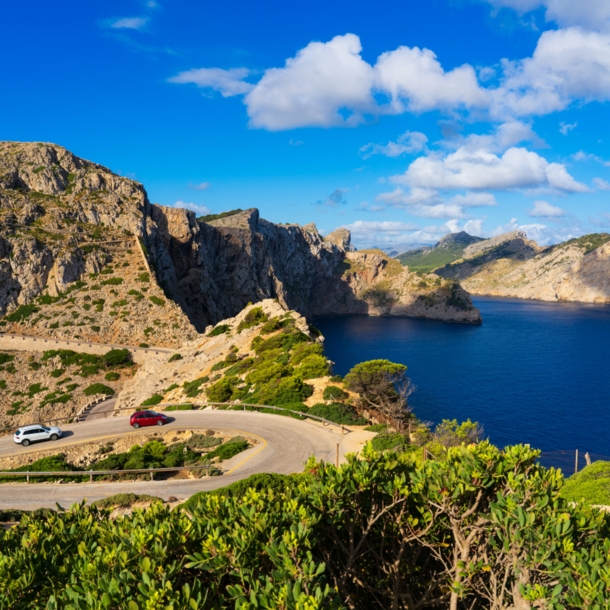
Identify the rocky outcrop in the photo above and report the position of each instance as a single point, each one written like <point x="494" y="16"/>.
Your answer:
<point x="64" y="219"/>
<point x="577" y="270"/>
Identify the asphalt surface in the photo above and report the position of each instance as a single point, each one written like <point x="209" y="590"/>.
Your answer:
<point x="284" y="446"/>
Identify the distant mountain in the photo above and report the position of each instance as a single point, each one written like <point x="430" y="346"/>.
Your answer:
<point x="450" y="248"/>
<point x="510" y="265"/>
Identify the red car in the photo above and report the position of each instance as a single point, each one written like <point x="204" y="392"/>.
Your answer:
<point x="147" y="418"/>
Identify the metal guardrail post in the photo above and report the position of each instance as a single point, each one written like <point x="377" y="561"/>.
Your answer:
<point x="91" y="476"/>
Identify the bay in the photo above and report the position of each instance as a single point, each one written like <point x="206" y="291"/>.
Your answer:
<point x="533" y="372"/>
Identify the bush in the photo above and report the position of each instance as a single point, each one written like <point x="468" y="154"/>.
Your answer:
<point x="112" y="376"/>
<point x="222" y="390"/>
<point x="377" y="428"/>
<point x="228" y="450"/>
<point x="113" y="281"/>
<point x="191" y="388"/>
<point x="175" y="357"/>
<point x="185" y="407"/>
<point x="591" y="484"/>
<point x="384" y="442"/>
<point x="21" y="313"/>
<point x="219" y="330"/>
<point x="155" y="399"/>
<point x="117" y="357"/>
<point x="338" y="413"/>
<point x="267" y="371"/>
<point x="156" y="301"/>
<point x="254" y="317"/>
<point x="95" y="329"/>
<point x="303" y="350"/>
<point x="4" y="358"/>
<point x="312" y="367"/>
<point x="98" y="388"/>
<point x="333" y="392"/>
<point x="289" y="390"/>
<point x="143" y="345"/>
<point x="124" y="500"/>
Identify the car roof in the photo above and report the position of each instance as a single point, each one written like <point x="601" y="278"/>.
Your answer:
<point x="30" y="427"/>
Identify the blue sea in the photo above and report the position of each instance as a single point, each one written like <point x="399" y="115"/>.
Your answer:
<point x="533" y="372"/>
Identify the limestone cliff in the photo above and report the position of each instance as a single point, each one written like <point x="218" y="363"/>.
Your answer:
<point x="513" y="266"/>
<point x="67" y="225"/>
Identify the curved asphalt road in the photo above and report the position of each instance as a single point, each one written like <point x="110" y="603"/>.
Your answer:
<point x="284" y="447"/>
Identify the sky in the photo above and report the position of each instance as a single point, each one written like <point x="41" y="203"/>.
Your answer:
<point x="401" y="121"/>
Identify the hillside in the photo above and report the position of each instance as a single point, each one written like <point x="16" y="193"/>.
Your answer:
<point x="445" y="251"/>
<point x="513" y="266"/>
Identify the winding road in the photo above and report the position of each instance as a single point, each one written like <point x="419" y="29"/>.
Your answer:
<point x="284" y="446"/>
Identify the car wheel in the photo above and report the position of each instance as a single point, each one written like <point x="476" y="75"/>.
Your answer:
<point x="25" y="442"/>
<point x="54" y="437"/>
<point x="159" y="422"/>
<point x="136" y="425"/>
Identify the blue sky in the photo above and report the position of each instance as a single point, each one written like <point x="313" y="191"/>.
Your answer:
<point x="399" y="120"/>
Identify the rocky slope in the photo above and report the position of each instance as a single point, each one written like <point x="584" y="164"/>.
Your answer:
<point x="63" y="220"/>
<point x="513" y="266"/>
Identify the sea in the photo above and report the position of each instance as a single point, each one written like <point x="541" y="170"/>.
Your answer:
<point x="533" y="372"/>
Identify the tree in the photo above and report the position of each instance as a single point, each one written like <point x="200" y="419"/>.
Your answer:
<point x="383" y="388"/>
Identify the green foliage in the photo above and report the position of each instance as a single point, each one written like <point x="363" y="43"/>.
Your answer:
<point x="288" y="391"/>
<point x="191" y="388"/>
<point x="377" y="428"/>
<point x="4" y="358"/>
<point x="458" y="298"/>
<point x="312" y="367"/>
<point x="254" y="317"/>
<point x="267" y="371"/>
<point x="175" y="357"/>
<point x="157" y="301"/>
<point x="228" y="450"/>
<point x="450" y="434"/>
<point x="588" y="242"/>
<point x="381" y="532"/>
<point x="124" y="500"/>
<point x="47" y="299"/>
<point x="144" y="277"/>
<point x="339" y="413"/>
<point x="286" y="340"/>
<point x="117" y="357"/>
<point x="98" y="388"/>
<point x="21" y="313"/>
<point x="221" y="329"/>
<point x="303" y="350"/>
<point x="113" y="281"/>
<point x="222" y="390"/>
<point x="2" y="384"/>
<point x="591" y="484"/>
<point x="241" y="366"/>
<point x="333" y="392"/>
<point x="427" y="260"/>
<point x="112" y="376"/>
<point x="211" y="217"/>
<point x="387" y="440"/>
<point x="185" y="407"/>
<point x="155" y="399"/>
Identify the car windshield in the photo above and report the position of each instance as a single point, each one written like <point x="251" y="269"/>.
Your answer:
<point x="18" y="433"/>
<point x="45" y="428"/>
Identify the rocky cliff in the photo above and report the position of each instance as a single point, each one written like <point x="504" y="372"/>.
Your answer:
<point x="513" y="266"/>
<point x="69" y="227"/>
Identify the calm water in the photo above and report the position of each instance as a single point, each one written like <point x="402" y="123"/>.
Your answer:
<point x="534" y="372"/>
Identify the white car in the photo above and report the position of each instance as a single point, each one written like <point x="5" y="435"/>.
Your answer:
<point x="28" y="434"/>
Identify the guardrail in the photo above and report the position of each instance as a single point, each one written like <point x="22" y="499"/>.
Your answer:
<point x="195" y="407"/>
<point x="92" y="473"/>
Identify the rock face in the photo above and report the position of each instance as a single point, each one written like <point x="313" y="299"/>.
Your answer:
<point x="63" y="220"/>
<point x="513" y="266"/>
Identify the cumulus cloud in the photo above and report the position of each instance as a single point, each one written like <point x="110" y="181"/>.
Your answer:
<point x="324" y="85"/>
<point x="481" y="169"/>
<point x="543" y="209"/>
<point x="365" y="206"/>
<point x="542" y="234"/>
<point x="581" y="155"/>
<point x="335" y="199"/>
<point x="128" y="23"/>
<point x="227" y="82"/>
<point x="601" y="185"/>
<point x="408" y="142"/>
<point x="202" y="186"/>
<point x="200" y="210"/>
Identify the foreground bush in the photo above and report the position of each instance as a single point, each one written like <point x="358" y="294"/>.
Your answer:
<point x="481" y="529"/>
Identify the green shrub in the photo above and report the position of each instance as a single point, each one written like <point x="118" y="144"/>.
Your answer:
<point x="47" y="299"/>
<point x="333" y="392"/>
<point x="143" y="345"/>
<point x="95" y="329"/>
<point x="336" y="378"/>
<point x="144" y="277"/>
<point x="21" y="313"/>
<point x="289" y="390"/>
<point x="384" y="442"/>
<point x="591" y="484"/>
<point x="228" y="450"/>
<point x="175" y="357"/>
<point x="124" y="500"/>
<point x="219" y="330"/>
<point x="239" y="367"/>
<point x="155" y="399"/>
<point x="303" y="350"/>
<point x="222" y="390"/>
<point x="338" y="413"/>
<point x="254" y="317"/>
<point x="312" y="367"/>
<point x="4" y="358"/>
<point x="117" y="357"/>
<point x="203" y="441"/>
<point x="157" y="301"/>
<point x="113" y="281"/>
<point x="267" y="371"/>
<point x="185" y="407"/>
<point x="285" y="340"/>
<point x="191" y="388"/>
<point x="2" y="384"/>
<point x="98" y="388"/>
<point x="377" y="428"/>
<point x="57" y="373"/>
<point x="112" y="376"/>
<point x="218" y="366"/>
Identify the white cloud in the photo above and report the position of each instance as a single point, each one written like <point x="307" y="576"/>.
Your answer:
<point x="601" y="185"/>
<point x="202" y="186"/>
<point x="128" y="23"/>
<point x="324" y="85"/>
<point x="227" y="82"/>
<point x="380" y="226"/>
<point x="542" y="234"/>
<point x="475" y="200"/>
<point x="365" y="206"/>
<point x="200" y="210"/>
<point x="543" y="209"/>
<point x="439" y="210"/>
<point x="335" y="199"/>
<point x="481" y="169"/>
<point x="295" y="142"/>
<point x="565" y="128"/>
<point x="581" y="155"/>
<point x="415" y="80"/>
<point x="590" y="14"/>
<point x="408" y="142"/>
